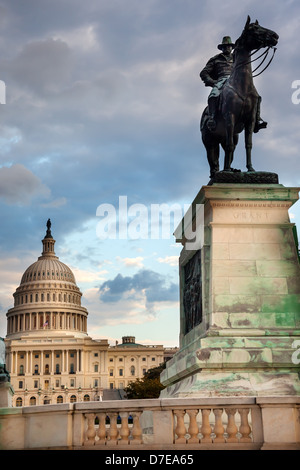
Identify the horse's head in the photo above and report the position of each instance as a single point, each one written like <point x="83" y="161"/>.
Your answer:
<point x="255" y="36"/>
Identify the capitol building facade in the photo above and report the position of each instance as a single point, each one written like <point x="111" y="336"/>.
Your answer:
<point x="50" y="357"/>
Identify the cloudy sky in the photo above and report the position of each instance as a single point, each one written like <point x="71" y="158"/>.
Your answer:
<point x="103" y="101"/>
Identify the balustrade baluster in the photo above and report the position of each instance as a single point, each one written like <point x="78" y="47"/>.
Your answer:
<point x="90" y="432"/>
<point x="124" y="431"/>
<point x="136" y="431"/>
<point x="193" y="427"/>
<point x="231" y="426"/>
<point x="245" y="429"/>
<point x="206" y="427"/>
<point x="101" y="433"/>
<point x="218" y="428"/>
<point x="180" y="427"/>
<point x="113" y="430"/>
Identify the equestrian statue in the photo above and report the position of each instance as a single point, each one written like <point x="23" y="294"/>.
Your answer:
<point x="234" y="103"/>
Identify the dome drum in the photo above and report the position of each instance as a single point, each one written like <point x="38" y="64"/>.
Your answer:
<point x="47" y="293"/>
<point x="51" y="322"/>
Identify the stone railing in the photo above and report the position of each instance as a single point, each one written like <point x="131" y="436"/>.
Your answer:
<point x="162" y="424"/>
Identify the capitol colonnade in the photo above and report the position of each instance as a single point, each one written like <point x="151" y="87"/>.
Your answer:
<point x="53" y="362"/>
<point x="37" y="320"/>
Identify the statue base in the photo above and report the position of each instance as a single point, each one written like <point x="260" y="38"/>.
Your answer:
<point x="239" y="297"/>
<point x="6" y="394"/>
<point x="244" y="177"/>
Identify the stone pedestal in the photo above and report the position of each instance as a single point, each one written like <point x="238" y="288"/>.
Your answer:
<point x="6" y="394"/>
<point x="240" y="302"/>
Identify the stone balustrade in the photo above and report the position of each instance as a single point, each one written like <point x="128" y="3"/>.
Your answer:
<point x="162" y="424"/>
<point x="190" y="424"/>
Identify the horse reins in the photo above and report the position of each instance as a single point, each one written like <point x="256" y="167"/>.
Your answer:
<point x="265" y="54"/>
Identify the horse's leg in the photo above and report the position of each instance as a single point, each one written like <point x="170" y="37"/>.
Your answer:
<point x="248" y="144"/>
<point x="229" y="149"/>
<point x="213" y="158"/>
<point x="212" y="148"/>
<point x="235" y="142"/>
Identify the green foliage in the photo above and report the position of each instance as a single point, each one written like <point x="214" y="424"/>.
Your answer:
<point x="147" y="387"/>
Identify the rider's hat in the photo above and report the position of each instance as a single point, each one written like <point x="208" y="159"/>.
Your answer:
<point x="226" y="42"/>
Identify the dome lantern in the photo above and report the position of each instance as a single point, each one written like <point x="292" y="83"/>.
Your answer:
<point x="48" y="243"/>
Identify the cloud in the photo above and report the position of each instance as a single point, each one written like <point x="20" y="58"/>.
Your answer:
<point x="85" y="275"/>
<point x="170" y="260"/>
<point x="145" y="282"/>
<point x="129" y="311"/>
<point x="56" y="203"/>
<point x="131" y="262"/>
<point x="18" y="185"/>
<point x="42" y="66"/>
<point x="83" y="38"/>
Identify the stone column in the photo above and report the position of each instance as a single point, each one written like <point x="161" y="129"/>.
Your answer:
<point x="26" y="363"/>
<point x="62" y="360"/>
<point x="42" y="363"/>
<point x="77" y="361"/>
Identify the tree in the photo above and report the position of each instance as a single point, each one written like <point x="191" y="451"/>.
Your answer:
<point x="147" y="387"/>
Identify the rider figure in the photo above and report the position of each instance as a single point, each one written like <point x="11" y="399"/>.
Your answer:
<point x="215" y="74"/>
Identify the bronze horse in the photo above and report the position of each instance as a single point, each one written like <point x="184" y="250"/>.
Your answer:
<point x="238" y="101"/>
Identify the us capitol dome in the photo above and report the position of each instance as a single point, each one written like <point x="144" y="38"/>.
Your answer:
<point x="47" y="298"/>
